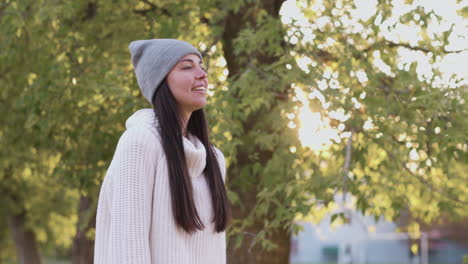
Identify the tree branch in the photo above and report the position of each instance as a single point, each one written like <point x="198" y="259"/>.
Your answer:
<point x="419" y="178"/>
<point x="153" y="7"/>
<point x="346" y="165"/>
<point x="91" y="11"/>
<point x="215" y="40"/>
<point x="392" y="44"/>
<point x="3" y="7"/>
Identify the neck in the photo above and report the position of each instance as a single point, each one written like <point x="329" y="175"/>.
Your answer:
<point x="184" y="118"/>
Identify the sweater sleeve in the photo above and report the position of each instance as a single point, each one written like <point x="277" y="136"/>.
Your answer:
<point x="131" y="198"/>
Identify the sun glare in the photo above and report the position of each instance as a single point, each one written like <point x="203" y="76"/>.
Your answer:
<point x="314" y="130"/>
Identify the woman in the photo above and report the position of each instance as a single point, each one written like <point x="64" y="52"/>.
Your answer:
<point x="163" y="198"/>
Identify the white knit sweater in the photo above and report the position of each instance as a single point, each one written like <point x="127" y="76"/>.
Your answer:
<point x="126" y="231"/>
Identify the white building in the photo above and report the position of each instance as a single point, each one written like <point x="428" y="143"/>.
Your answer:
<point x="366" y="241"/>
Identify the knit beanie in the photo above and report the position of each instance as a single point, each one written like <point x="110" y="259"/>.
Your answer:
<point x="153" y="59"/>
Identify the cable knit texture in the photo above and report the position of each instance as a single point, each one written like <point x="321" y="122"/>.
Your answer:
<point x="132" y="226"/>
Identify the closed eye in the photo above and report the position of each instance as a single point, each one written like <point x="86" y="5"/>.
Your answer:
<point x="188" y="67"/>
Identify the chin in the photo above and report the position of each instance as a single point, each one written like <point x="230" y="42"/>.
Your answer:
<point x="198" y="107"/>
<point x="199" y="104"/>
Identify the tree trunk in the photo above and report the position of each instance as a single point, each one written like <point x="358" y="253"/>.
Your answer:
<point x="83" y="248"/>
<point x="25" y="240"/>
<point x="250" y="252"/>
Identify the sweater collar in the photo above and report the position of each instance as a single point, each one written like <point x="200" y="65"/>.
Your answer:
<point x="195" y="155"/>
<point x="195" y="152"/>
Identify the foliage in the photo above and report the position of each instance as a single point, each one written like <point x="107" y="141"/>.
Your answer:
<point x="67" y="85"/>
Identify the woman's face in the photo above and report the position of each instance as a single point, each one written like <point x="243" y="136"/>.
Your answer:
<point x="188" y="83"/>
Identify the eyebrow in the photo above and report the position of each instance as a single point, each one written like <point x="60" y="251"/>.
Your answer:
<point x="200" y="62"/>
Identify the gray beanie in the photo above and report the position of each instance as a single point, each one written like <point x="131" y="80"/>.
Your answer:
<point x="153" y="59"/>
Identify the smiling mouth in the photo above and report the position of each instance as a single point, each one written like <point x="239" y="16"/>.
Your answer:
<point x="199" y="88"/>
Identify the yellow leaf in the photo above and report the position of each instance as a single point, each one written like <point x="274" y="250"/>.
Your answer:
<point x="413" y="230"/>
<point x="31" y="77"/>
<point x="27" y="172"/>
<point x="414" y="248"/>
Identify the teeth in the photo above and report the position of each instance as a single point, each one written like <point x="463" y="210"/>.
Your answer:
<point x="199" y="88"/>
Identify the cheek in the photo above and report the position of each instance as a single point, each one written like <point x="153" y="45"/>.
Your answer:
<point x="180" y="84"/>
<point x="180" y="87"/>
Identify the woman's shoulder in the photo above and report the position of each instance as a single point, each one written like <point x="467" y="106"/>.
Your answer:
<point x="143" y="119"/>
<point x="218" y="152"/>
<point x="141" y="138"/>
<point x="142" y="127"/>
<point x="139" y="133"/>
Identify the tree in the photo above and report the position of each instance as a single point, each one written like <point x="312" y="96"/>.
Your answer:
<point x="61" y="121"/>
<point x="391" y="155"/>
<point x="66" y="75"/>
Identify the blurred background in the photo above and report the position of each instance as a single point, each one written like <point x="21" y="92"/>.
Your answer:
<point x="342" y="122"/>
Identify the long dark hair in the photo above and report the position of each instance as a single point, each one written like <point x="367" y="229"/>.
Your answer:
<point x="183" y="205"/>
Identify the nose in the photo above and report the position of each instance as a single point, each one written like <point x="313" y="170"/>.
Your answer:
<point x="201" y="74"/>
